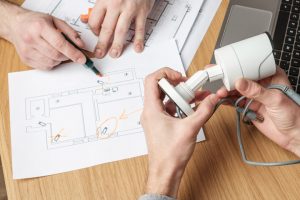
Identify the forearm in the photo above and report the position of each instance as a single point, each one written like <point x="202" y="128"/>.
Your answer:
<point x="8" y="12"/>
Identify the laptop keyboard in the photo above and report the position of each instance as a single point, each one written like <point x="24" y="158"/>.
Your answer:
<point x="287" y="41"/>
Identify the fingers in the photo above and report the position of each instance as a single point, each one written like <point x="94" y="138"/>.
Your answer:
<point x="68" y="31"/>
<point x="122" y="27"/>
<point x="200" y="95"/>
<point x="56" y="40"/>
<point x="203" y="112"/>
<point x="97" y="17"/>
<point x="106" y="33"/>
<point x="222" y="92"/>
<point x="139" y="37"/>
<point x="48" y="51"/>
<point x="253" y="90"/>
<point x="39" y="61"/>
<point x="280" y="77"/>
<point x="152" y="92"/>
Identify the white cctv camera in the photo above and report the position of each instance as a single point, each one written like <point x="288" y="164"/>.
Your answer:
<point x="251" y="58"/>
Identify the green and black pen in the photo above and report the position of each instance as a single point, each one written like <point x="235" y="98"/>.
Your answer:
<point x="89" y="63"/>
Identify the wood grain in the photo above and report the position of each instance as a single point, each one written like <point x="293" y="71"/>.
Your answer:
<point x="214" y="172"/>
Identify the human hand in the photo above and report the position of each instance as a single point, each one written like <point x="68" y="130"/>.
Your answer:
<point x="171" y="141"/>
<point x="111" y="20"/>
<point x="39" y="42"/>
<point x="281" y="115"/>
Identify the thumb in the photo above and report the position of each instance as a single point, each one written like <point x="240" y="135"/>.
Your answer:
<point x="253" y="90"/>
<point x="203" y="112"/>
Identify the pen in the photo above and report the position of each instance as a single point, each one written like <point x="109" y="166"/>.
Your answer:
<point x="89" y="63"/>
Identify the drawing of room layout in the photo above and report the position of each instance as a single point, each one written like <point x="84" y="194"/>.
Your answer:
<point x="107" y="110"/>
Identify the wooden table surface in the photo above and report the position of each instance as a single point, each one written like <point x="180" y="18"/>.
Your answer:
<point x="214" y="172"/>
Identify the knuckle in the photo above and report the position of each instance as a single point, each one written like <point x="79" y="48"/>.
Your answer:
<point x="132" y="7"/>
<point x="165" y="70"/>
<point x="121" y="30"/>
<point x="76" y="55"/>
<point x="254" y="90"/>
<point x="116" y="3"/>
<point x="28" y="38"/>
<point x="140" y="30"/>
<point x="149" y="78"/>
<point x="38" y="25"/>
<point x="60" y="43"/>
<point x="55" y="54"/>
<point x="107" y="30"/>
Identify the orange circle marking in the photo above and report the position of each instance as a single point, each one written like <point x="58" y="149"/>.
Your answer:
<point x="104" y="127"/>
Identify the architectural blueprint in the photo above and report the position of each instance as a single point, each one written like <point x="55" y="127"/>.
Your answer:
<point x="168" y="19"/>
<point x="68" y="118"/>
<point x="105" y="107"/>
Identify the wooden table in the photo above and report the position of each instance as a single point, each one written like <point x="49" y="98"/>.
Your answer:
<point x="214" y="172"/>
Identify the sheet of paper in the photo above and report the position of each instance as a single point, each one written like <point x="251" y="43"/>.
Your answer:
<point x="201" y="25"/>
<point x="68" y="118"/>
<point x="168" y="19"/>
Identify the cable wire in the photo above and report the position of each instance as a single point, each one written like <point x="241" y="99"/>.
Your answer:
<point x="246" y="114"/>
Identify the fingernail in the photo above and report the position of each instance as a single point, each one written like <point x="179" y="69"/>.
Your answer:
<point x="139" y="47"/>
<point x="99" y="53"/>
<point x="242" y="85"/>
<point x="114" y="53"/>
<point x="81" y="60"/>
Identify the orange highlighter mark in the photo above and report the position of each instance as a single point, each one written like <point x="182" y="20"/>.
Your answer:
<point x="85" y="17"/>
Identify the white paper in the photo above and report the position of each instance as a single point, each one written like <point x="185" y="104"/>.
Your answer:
<point x="68" y="118"/>
<point x="201" y="25"/>
<point x="169" y="19"/>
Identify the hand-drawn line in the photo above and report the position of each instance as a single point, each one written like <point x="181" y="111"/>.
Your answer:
<point x="103" y="131"/>
<point x="57" y="136"/>
<point x="125" y="115"/>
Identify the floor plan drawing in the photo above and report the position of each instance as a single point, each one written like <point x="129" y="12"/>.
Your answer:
<point x="110" y="109"/>
<point x="168" y="19"/>
<point x="69" y="118"/>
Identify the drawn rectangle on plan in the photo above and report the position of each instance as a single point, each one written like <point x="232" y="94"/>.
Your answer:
<point x="64" y="128"/>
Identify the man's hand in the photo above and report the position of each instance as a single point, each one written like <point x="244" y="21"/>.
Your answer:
<point x="111" y="20"/>
<point x="38" y="40"/>
<point x="281" y="115"/>
<point x="171" y="141"/>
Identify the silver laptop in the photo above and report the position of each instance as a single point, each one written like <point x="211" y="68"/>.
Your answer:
<point x="247" y="18"/>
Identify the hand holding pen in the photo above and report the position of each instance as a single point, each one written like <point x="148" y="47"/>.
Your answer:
<point x="89" y="63"/>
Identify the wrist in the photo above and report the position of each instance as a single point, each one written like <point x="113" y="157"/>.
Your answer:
<point x="294" y="144"/>
<point x="8" y="13"/>
<point x="164" y="180"/>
